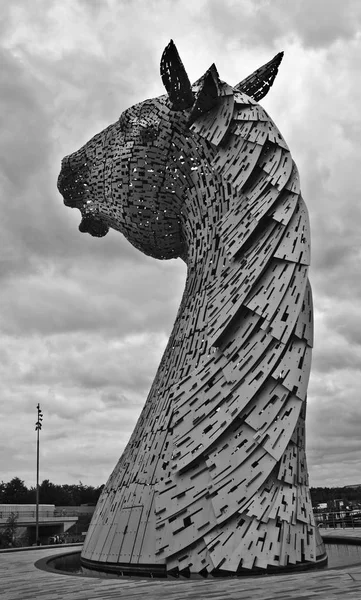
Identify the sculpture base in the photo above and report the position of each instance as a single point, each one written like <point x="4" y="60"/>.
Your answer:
<point x="160" y="571"/>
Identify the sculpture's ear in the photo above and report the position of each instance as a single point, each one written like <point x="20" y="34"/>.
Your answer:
<point x="208" y="94"/>
<point x="257" y="85"/>
<point x="178" y="86"/>
<point x="175" y="79"/>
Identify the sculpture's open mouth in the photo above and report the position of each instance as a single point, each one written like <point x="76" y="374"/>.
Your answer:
<point x="90" y="222"/>
<point x="74" y="196"/>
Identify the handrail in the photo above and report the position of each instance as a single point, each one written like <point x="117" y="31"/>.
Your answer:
<point x="338" y="519"/>
<point x="26" y="514"/>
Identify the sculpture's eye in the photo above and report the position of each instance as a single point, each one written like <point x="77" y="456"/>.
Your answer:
<point x="148" y="132"/>
<point x="143" y="128"/>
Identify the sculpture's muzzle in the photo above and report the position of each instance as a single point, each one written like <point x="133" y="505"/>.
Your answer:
<point x="76" y="193"/>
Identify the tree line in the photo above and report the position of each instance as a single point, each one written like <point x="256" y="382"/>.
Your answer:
<point x="16" y="492"/>
<point x="351" y="496"/>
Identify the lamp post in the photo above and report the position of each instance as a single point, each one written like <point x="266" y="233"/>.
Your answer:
<point x="37" y="429"/>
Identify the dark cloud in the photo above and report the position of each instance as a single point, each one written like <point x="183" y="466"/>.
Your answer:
<point x="322" y="23"/>
<point x="255" y="23"/>
<point x="344" y="320"/>
<point x="25" y="132"/>
<point x="335" y="357"/>
<point x="93" y="296"/>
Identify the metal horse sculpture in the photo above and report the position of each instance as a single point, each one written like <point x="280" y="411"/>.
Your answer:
<point x="214" y="477"/>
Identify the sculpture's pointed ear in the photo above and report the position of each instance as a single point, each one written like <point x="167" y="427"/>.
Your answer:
<point x="257" y="85"/>
<point x="175" y="79"/>
<point x="208" y="93"/>
<point x="178" y="86"/>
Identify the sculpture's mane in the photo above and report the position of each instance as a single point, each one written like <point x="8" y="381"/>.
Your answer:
<point x="262" y="184"/>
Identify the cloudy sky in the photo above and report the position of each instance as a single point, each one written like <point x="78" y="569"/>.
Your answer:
<point x="84" y="321"/>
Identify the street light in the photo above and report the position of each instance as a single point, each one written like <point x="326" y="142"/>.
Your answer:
<point x="37" y="429"/>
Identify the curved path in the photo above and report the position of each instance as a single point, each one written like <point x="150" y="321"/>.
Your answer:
<point x="21" y="580"/>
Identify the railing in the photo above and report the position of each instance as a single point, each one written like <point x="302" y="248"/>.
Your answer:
<point x="27" y="515"/>
<point x="338" y="519"/>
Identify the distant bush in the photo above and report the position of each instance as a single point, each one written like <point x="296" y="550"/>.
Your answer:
<point x="16" y="492"/>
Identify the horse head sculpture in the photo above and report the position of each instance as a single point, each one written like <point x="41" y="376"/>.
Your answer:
<point x="214" y="477"/>
<point x="132" y="176"/>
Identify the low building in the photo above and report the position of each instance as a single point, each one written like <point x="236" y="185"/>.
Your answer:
<point x="51" y="521"/>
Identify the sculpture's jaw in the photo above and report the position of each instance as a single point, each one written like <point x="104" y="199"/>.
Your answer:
<point x="93" y="225"/>
<point x="91" y="222"/>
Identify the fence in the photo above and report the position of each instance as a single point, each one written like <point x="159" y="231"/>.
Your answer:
<point x="338" y="519"/>
<point x="30" y="515"/>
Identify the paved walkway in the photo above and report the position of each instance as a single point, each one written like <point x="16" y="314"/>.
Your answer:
<point x="21" y="580"/>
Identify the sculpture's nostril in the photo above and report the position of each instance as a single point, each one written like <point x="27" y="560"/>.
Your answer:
<point x="73" y="179"/>
<point x="65" y="163"/>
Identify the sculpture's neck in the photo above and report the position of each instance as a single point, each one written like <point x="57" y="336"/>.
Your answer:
<point x="205" y="259"/>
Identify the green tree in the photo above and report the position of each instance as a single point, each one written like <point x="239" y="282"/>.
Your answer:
<point x="8" y="537"/>
<point x="15" y="492"/>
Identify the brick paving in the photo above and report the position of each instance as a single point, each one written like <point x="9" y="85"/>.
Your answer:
<point x="21" y="580"/>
